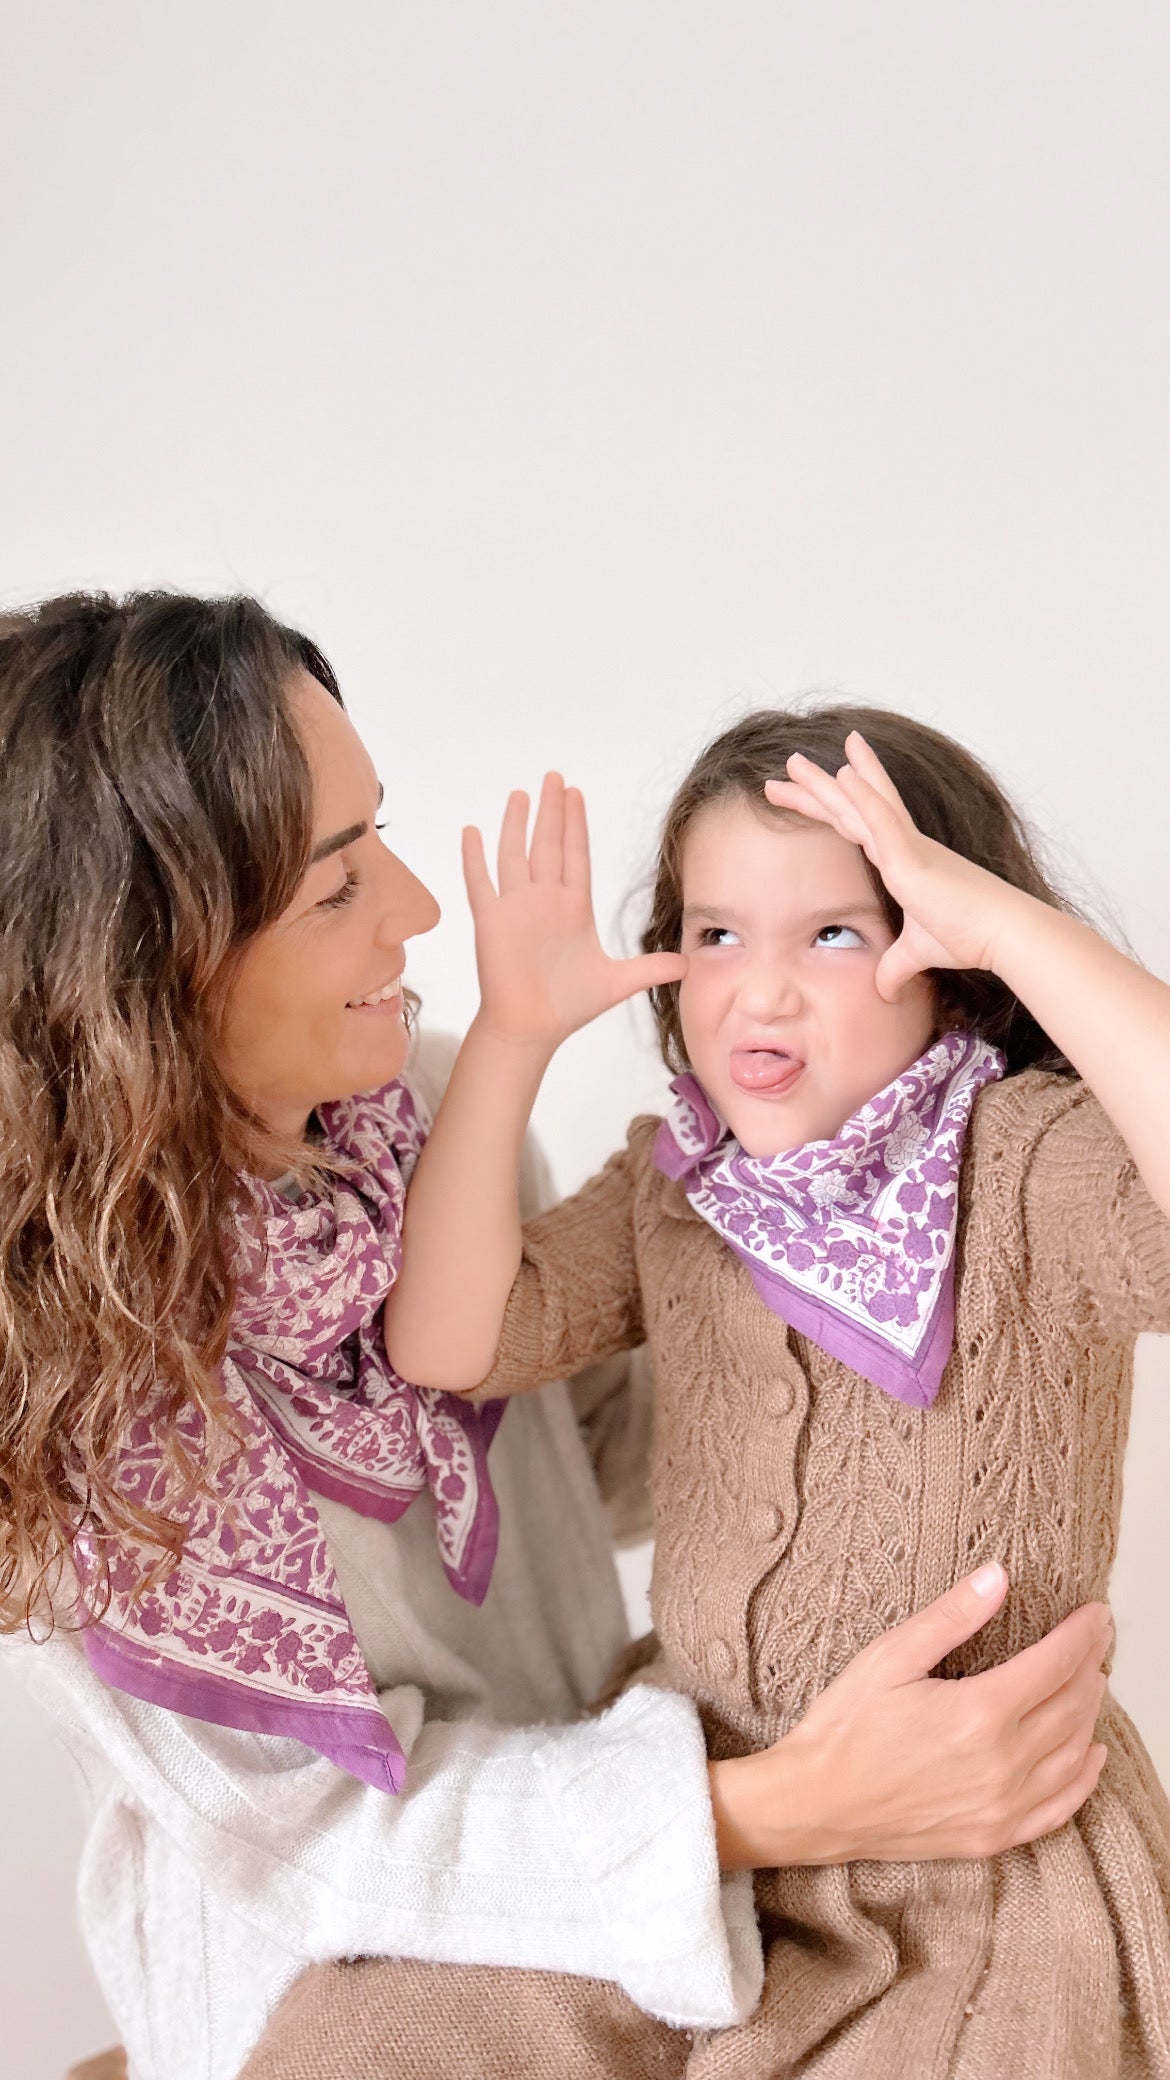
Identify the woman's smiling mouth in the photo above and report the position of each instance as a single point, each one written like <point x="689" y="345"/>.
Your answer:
<point x="386" y="999"/>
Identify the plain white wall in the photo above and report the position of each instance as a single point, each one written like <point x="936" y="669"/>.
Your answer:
<point x="578" y="374"/>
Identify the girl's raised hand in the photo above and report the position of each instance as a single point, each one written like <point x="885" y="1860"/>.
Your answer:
<point x="952" y="909"/>
<point x="542" y="969"/>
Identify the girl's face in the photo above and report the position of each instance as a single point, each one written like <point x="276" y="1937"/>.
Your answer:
<point x="298" y="1026"/>
<point x="781" y="1019"/>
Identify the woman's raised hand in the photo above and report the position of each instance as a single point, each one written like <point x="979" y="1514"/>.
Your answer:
<point x="952" y="908"/>
<point x="542" y="969"/>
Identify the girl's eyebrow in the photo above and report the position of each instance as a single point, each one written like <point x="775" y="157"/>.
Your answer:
<point x="843" y="910"/>
<point x="709" y="913"/>
<point x="712" y="913"/>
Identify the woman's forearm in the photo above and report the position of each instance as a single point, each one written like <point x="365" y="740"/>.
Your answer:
<point x="758" y="1825"/>
<point x="461" y="1231"/>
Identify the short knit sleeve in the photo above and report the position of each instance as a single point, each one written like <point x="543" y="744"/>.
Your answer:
<point x="1093" y="1230"/>
<point x="576" y="1298"/>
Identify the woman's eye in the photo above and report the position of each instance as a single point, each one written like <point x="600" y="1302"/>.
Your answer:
<point x="839" y="935"/>
<point x="342" y="895"/>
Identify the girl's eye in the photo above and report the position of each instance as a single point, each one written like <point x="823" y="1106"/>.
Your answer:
<point x="716" y="935"/>
<point x="342" y="895"/>
<point x="838" y="935"/>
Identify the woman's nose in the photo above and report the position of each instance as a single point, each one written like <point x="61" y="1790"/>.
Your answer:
<point x="409" y="908"/>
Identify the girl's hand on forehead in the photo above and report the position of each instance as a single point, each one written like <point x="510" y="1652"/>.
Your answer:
<point x="952" y="909"/>
<point x="543" y="972"/>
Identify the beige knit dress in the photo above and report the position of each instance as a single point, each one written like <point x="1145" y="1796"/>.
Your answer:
<point x="799" y="1512"/>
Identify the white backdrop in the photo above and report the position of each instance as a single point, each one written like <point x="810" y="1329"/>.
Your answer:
<point x="579" y="373"/>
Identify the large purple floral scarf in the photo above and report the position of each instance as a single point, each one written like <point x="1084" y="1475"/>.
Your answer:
<point x="249" y="1630"/>
<point x="851" y="1241"/>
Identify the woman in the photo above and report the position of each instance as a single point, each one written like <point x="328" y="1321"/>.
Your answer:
<point x="317" y="1653"/>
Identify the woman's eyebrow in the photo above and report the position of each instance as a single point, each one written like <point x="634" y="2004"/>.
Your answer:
<point x="340" y="839"/>
<point x="338" y="842"/>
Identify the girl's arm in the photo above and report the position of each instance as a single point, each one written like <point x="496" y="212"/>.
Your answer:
<point x="1108" y="1015"/>
<point x="543" y="973"/>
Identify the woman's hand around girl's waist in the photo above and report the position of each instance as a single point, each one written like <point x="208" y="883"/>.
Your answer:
<point x="893" y="1764"/>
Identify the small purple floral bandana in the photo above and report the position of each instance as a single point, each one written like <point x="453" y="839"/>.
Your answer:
<point x="851" y="1241"/>
<point x="249" y="1630"/>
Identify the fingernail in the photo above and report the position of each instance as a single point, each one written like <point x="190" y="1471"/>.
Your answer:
<point x="986" y="1580"/>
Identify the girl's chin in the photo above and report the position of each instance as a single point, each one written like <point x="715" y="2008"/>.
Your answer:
<point x="764" y="1140"/>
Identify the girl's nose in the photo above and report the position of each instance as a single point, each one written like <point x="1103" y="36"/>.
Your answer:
<point x="768" y="991"/>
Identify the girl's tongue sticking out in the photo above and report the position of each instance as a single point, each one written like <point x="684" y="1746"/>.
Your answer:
<point x="765" y="1071"/>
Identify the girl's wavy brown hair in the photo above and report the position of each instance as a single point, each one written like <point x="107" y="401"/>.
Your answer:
<point x="949" y="794"/>
<point x="155" y="813"/>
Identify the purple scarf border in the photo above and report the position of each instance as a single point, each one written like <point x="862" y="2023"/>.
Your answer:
<point x="358" y="1739"/>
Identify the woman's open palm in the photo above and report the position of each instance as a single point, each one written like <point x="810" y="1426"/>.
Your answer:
<point x="543" y="971"/>
<point x="951" y="907"/>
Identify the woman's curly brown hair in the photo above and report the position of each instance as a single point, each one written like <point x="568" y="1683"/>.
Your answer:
<point x="156" y="812"/>
<point x="949" y="794"/>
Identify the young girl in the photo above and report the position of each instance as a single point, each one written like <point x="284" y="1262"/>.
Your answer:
<point x="890" y="1250"/>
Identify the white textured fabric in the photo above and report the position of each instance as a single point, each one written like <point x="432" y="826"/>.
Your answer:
<point x="218" y="1862"/>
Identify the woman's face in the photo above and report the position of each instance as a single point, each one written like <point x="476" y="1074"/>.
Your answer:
<point x="314" y="1008"/>
<point x="781" y="1019"/>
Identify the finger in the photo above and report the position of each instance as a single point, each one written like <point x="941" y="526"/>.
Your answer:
<point x="864" y="761"/>
<point x="577" y="867"/>
<point x="1053" y="1771"/>
<point x="888" y="820"/>
<point x="825" y="789"/>
<point x="476" y="879"/>
<point x="1037" y="1672"/>
<point x="911" y="1650"/>
<point x="786" y="794"/>
<point x="1071" y="1709"/>
<point x="513" y="854"/>
<point x="895" y="969"/>
<point x="1053" y="1812"/>
<point x="547" y="857"/>
<point x="1054" y="1774"/>
<point x="645" y="971"/>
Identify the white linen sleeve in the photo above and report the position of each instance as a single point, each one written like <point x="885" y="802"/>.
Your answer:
<point x="586" y="1848"/>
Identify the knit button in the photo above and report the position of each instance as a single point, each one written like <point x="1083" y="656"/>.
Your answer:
<point x="768" y="1521"/>
<point x="722" y="1657"/>
<point x="780" y="1397"/>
